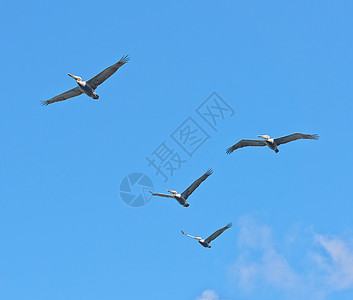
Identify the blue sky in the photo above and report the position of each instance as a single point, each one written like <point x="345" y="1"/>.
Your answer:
<point x="282" y="67"/>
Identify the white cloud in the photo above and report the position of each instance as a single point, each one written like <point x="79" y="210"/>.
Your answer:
<point x="261" y="263"/>
<point x="338" y="262"/>
<point x="208" y="295"/>
<point x="270" y="266"/>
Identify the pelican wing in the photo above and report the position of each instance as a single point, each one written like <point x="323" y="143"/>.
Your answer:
<point x="246" y="143"/>
<point x="195" y="184"/>
<point x="95" y="81"/>
<point x="162" y="195"/>
<point x="295" y="136"/>
<point x="67" y="95"/>
<point x="217" y="233"/>
<point x="189" y="235"/>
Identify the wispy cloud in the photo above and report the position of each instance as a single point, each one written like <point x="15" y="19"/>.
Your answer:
<point x="337" y="263"/>
<point x="270" y="266"/>
<point x="208" y="295"/>
<point x="326" y="266"/>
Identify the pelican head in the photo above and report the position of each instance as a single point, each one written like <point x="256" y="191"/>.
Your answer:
<point x="266" y="137"/>
<point x="172" y="192"/>
<point x="77" y="78"/>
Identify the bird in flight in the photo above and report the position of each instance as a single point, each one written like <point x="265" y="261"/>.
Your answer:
<point x="206" y="242"/>
<point x="181" y="198"/>
<point x="271" y="143"/>
<point x="88" y="87"/>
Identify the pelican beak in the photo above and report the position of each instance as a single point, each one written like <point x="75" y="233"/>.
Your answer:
<point x="73" y="76"/>
<point x="261" y="136"/>
<point x="172" y="192"/>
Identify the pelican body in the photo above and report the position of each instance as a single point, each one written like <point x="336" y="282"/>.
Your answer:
<point x="269" y="142"/>
<point x="181" y="198"/>
<point x="204" y="243"/>
<point x="84" y="87"/>
<point x="178" y="197"/>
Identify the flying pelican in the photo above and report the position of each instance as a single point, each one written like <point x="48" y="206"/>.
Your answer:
<point x="206" y="242"/>
<point x="181" y="198"/>
<point x="88" y="87"/>
<point x="272" y="143"/>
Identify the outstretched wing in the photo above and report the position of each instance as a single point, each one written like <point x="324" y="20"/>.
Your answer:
<point x="217" y="233"/>
<point x="95" y="81"/>
<point x="245" y="143"/>
<point x="189" y="235"/>
<point x="161" y="195"/>
<point x="295" y="136"/>
<point x="67" y="95"/>
<point x="195" y="184"/>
